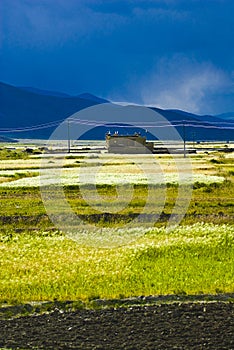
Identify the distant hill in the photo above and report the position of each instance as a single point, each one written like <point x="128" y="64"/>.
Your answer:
<point x="199" y="127"/>
<point x="25" y="107"/>
<point x="91" y="97"/>
<point x="202" y="118"/>
<point x="7" y="139"/>
<point x="44" y="92"/>
<point x="227" y="116"/>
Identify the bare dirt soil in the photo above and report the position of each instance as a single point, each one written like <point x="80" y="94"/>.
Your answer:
<point x="204" y="325"/>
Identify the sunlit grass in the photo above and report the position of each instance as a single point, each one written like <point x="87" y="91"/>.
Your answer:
<point x="191" y="260"/>
<point x="37" y="262"/>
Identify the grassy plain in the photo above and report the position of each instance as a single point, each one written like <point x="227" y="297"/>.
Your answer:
<point x="39" y="262"/>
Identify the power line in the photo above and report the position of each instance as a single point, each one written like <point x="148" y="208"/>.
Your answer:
<point x="31" y="128"/>
<point x="95" y="123"/>
<point x="167" y="122"/>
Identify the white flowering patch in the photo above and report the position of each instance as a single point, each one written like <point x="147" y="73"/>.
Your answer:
<point x="198" y="233"/>
<point x="104" y="169"/>
<point x="14" y="172"/>
<point x="70" y="176"/>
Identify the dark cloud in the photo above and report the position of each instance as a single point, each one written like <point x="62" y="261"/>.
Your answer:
<point x="112" y="47"/>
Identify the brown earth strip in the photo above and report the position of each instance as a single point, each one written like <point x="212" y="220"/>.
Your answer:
<point x="203" y="325"/>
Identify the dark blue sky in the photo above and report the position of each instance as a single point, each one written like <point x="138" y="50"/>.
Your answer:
<point x="167" y="53"/>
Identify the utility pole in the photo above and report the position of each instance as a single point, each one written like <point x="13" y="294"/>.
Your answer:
<point x="184" y="137"/>
<point x="68" y="137"/>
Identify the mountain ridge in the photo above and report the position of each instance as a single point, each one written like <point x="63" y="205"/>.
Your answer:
<point x="22" y="107"/>
<point x="44" y="92"/>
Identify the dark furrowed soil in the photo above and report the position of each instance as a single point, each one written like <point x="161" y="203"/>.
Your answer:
<point x="167" y="326"/>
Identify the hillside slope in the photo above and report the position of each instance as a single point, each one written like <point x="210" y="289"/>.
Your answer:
<point x="25" y="107"/>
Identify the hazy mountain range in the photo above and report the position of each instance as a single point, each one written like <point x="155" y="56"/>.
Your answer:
<point x="22" y="107"/>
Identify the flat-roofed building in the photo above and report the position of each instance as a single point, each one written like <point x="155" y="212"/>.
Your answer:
<point x="128" y="143"/>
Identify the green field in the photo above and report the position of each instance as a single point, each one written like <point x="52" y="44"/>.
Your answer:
<point x="39" y="262"/>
